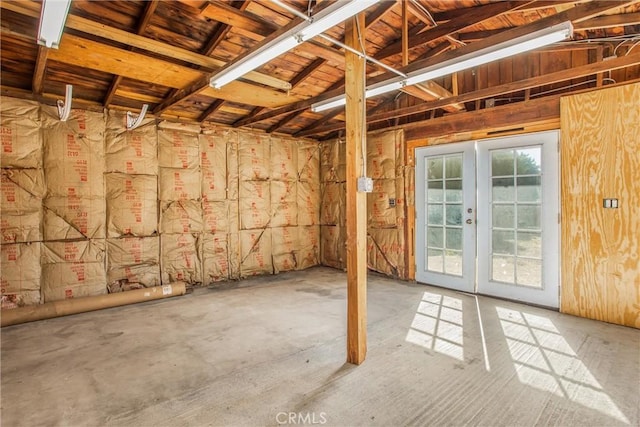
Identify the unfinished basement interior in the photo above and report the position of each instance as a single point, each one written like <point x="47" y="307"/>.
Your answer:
<point x="320" y="212"/>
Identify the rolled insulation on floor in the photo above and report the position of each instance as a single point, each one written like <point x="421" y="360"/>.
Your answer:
<point x="81" y="305"/>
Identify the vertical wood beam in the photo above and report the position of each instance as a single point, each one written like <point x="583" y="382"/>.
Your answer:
<point x="356" y="202"/>
<point x="405" y="34"/>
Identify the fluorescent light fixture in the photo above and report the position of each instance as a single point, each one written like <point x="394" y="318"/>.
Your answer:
<point x="52" y="18"/>
<point x="502" y="50"/>
<point x="371" y="91"/>
<point x="325" y="19"/>
<point x="330" y="17"/>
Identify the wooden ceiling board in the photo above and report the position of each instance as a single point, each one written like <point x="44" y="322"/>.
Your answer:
<point x="118" y="14"/>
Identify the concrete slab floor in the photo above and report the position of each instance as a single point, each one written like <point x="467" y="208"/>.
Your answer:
<point x="273" y="352"/>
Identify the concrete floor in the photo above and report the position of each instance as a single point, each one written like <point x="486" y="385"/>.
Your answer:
<point x="272" y="352"/>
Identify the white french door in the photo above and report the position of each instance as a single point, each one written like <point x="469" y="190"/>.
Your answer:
<point x="495" y="198"/>
<point x="445" y="216"/>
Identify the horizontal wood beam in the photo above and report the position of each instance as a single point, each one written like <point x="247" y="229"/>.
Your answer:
<point x="507" y="115"/>
<point x="608" y="21"/>
<point x="559" y="76"/>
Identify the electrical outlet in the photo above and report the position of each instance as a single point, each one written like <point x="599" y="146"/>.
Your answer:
<point x="392" y="203"/>
<point x="365" y="184"/>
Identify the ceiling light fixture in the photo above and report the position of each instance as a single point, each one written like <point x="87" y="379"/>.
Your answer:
<point x="498" y="51"/>
<point x="52" y="18"/>
<point x="327" y="18"/>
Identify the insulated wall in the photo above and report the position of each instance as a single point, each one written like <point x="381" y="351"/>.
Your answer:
<point x="386" y="205"/>
<point x="89" y="207"/>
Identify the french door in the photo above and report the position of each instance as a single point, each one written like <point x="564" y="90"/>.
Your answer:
<point x="487" y="217"/>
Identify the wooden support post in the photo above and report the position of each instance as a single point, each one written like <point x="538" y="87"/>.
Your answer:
<point x="356" y="202"/>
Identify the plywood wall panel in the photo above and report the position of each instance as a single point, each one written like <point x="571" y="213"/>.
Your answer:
<point x="601" y="247"/>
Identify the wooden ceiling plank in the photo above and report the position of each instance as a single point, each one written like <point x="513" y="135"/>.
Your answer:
<point x="559" y="76"/>
<point x="608" y="21"/>
<point x="149" y="10"/>
<point x="39" y="71"/>
<point x="215" y="106"/>
<point x="472" y="17"/>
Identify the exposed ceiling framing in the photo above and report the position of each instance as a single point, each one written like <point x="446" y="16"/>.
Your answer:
<point x="122" y="54"/>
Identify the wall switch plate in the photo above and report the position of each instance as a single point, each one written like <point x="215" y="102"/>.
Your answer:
<point x="610" y="203"/>
<point x="365" y="184"/>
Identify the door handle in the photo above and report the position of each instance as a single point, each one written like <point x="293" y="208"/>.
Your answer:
<point x="469" y="221"/>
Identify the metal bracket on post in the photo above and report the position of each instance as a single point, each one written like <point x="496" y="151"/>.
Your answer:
<point x="64" y="107"/>
<point x="132" y="121"/>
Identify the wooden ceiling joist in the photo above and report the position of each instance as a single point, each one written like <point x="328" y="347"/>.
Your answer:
<point x="215" y="106"/>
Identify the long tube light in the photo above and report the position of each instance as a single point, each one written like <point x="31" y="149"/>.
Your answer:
<point x="322" y="21"/>
<point x="502" y="50"/>
<point x="52" y="18"/>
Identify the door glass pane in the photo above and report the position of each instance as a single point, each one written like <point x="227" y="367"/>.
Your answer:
<point x="529" y="244"/>
<point x="434" y="168"/>
<point x="529" y="272"/>
<point x="503" y="242"/>
<point x="516" y="197"/>
<point x="434" y="214"/>
<point x="503" y="269"/>
<point x="454" y="238"/>
<point x="528" y="217"/>
<point x="434" y="191"/>
<point x="435" y="237"/>
<point x="503" y="190"/>
<point x="529" y="189"/>
<point x="434" y="260"/>
<point x="504" y="216"/>
<point x="502" y="163"/>
<point x="528" y="161"/>
<point x="453" y="262"/>
<point x="453" y="166"/>
<point x="453" y="190"/>
<point x="454" y="214"/>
